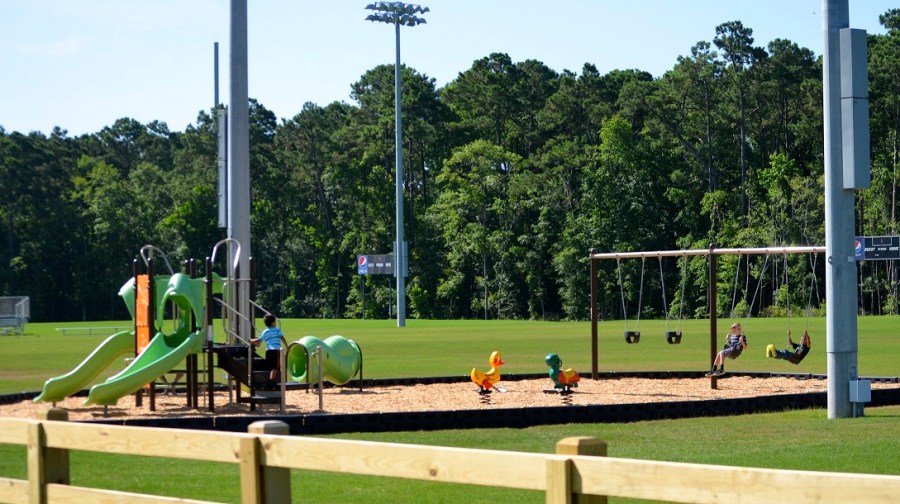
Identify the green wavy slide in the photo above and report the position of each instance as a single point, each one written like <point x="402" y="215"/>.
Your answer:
<point x="112" y="348"/>
<point x="158" y="358"/>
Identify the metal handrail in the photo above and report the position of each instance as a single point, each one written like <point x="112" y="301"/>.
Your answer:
<point x="229" y="310"/>
<point x="237" y="253"/>
<point x="259" y="307"/>
<point x="154" y="248"/>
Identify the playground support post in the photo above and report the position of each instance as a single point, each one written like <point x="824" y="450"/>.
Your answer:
<point x="192" y="363"/>
<point x="594" y="371"/>
<point x="151" y="322"/>
<point x="207" y="325"/>
<point x="713" y="314"/>
<point x="135" y="269"/>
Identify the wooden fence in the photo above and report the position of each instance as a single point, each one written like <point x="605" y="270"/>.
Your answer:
<point x="578" y="472"/>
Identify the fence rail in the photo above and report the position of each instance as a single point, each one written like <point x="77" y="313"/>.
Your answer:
<point x="579" y="471"/>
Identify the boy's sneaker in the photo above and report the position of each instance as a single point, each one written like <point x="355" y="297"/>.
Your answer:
<point x="720" y="372"/>
<point x="712" y="372"/>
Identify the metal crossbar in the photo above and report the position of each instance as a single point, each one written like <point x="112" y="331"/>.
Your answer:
<point x="714" y="251"/>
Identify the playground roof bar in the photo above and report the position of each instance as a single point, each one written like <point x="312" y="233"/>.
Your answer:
<point x="810" y="249"/>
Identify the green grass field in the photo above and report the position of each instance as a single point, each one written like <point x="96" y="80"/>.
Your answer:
<point x="796" y="440"/>
<point x="451" y="348"/>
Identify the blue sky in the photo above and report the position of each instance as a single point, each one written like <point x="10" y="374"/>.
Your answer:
<point x="82" y="65"/>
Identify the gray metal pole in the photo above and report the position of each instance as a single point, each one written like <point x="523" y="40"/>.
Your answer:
<point x="399" y="248"/>
<point x="215" y="75"/>
<point x="239" y="154"/>
<point x="840" y="270"/>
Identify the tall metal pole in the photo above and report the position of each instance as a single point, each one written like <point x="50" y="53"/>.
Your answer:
<point x="397" y="13"/>
<point x="840" y="268"/>
<point x="400" y="245"/>
<point x="239" y="155"/>
<point x="215" y="75"/>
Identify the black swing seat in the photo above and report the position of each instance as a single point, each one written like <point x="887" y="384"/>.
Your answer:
<point x="673" y="337"/>
<point x="632" y="337"/>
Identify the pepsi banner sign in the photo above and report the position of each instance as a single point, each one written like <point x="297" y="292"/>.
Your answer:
<point x="362" y="265"/>
<point x="375" y="264"/>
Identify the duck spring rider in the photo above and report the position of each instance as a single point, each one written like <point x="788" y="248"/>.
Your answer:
<point x="488" y="379"/>
<point x="563" y="379"/>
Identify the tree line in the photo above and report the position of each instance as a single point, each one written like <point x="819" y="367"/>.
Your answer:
<point x="513" y="173"/>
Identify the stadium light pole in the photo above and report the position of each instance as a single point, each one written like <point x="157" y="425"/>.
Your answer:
<point x="397" y="14"/>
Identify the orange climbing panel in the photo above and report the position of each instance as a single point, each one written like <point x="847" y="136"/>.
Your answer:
<point x="142" y="313"/>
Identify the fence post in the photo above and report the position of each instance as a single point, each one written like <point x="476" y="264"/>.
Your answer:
<point x="56" y="460"/>
<point x="559" y="481"/>
<point x="273" y="484"/>
<point x="45" y="465"/>
<point x="582" y="445"/>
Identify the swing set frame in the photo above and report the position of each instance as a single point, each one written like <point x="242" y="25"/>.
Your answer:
<point x="711" y="254"/>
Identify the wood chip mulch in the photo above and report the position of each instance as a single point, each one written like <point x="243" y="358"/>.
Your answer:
<point x="444" y="397"/>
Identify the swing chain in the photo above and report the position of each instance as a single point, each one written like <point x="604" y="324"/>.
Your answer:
<point x="622" y="291"/>
<point x="787" y="293"/>
<point x="813" y="287"/>
<point x="640" y="294"/>
<point x="662" y="283"/>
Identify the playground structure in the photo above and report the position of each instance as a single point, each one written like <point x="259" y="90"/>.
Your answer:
<point x="14" y="313"/>
<point x="190" y="301"/>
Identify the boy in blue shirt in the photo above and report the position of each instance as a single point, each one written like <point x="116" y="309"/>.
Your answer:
<point x="734" y="345"/>
<point x="273" y="338"/>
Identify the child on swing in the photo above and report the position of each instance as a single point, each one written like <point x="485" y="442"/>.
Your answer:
<point x="734" y="345"/>
<point x="795" y="351"/>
